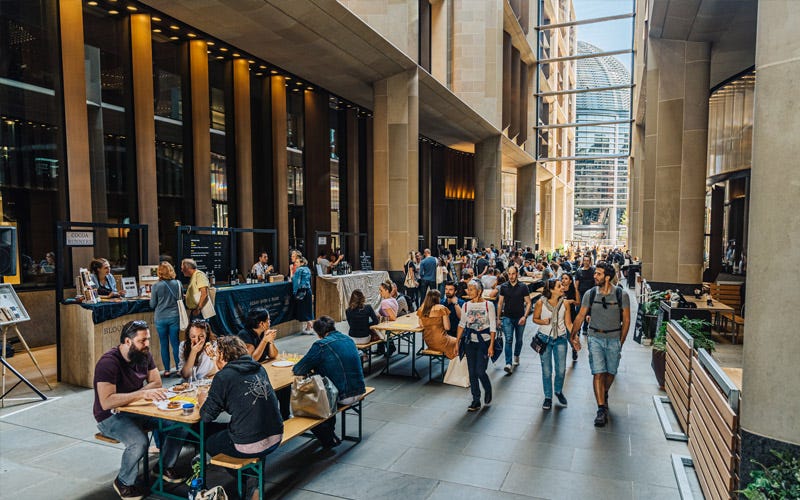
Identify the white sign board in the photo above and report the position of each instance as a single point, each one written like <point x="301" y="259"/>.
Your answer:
<point x="129" y="285"/>
<point x="80" y="238"/>
<point x="148" y="274"/>
<point x="322" y="240"/>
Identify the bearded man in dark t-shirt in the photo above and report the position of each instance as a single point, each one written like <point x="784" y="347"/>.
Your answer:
<point x="126" y="374"/>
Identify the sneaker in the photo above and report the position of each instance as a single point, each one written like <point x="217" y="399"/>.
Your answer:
<point x="516" y="360"/>
<point x="127" y="492"/>
<point x="562" y="400"/>
<point x="172" y="476"/>
<point x="509" y="369"/>
<point x="601" y="418"/>
<point x="487" y="400"/>
<point x="548" y="404"/>
<point x="474" y="406"/>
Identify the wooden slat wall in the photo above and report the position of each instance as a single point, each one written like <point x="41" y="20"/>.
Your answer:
<point x="678" y="375"/>
<point x="713" y="436"/>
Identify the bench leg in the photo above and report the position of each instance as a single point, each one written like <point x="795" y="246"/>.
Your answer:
<point x="356" y="409"/>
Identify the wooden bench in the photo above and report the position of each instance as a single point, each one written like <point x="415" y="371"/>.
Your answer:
<point x="101" y="437"/>
<point x="367" y="349"/>
<point x="437" y="356"/>
<point x="295" y="426"/>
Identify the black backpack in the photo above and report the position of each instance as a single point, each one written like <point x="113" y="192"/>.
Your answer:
<point x="617" y="292"/>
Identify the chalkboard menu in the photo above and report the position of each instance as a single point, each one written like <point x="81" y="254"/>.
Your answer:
<point x="366" y="261"/>
<point x="638" y="330"/>
<point x="211" y="252"/>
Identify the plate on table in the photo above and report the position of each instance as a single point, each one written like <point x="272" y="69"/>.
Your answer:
<point x="170" y="393"/>
<point x="283" y="363"/>
<point x="164" y="406"/>
<point x="180" y="388"/>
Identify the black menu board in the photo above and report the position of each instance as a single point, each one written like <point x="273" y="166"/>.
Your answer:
<point x="366" y="261"/>
<point x="211" y="252"/>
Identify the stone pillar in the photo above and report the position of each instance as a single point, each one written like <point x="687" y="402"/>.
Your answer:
<point x="560" y="219"/>
<point x="201" y="137"/>
<point x="280" y="174"/>
<point x="525" y="218"/>
<point x="769" y="410"/>
<point x="395" y="177"/>
<point x="674" y="168"/>
<point x="488" y="191"/>
<point x="548" y="209"/>
<point x="144" y="126"/>
<point x="244" y="161"/>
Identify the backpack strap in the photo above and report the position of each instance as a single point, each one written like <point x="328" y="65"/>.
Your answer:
<point x="619" y="302"/>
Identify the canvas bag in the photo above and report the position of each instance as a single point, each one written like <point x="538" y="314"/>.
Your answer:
<point x="182" y="314"/>
<point x="457" y="372"/>
<point x="215" y="493"/>
<point x="411" y="280"/>
<point x="208" y="309"/>
<point x="314" y="397"/>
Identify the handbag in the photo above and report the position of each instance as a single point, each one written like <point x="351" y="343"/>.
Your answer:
<point x="314" y="397"/>
<point x="300" y="294"/>
<point x="411" y="280"/>
<point x="457" y="373"/>
<point x="208" y="309"/>
<point x="498" y="346"/>
<point x="537" y="344"/>
<point x="215" y="493"/>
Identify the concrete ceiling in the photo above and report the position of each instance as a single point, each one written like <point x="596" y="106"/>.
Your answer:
<point x="697" y="20"/>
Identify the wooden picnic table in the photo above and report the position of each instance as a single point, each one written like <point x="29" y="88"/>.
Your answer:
<point x="279" y="377"/>
<point x="716" y="306"/>
<point x="403" y="329"/>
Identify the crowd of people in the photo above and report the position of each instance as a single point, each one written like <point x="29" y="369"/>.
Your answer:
<point x="460" y="318"/>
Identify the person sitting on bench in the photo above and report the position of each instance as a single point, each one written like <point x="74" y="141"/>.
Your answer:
<point x="334" y="356"/>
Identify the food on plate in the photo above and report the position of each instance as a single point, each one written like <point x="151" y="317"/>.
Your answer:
<point x="173" y="405"/>
<point x="180" y="387"/>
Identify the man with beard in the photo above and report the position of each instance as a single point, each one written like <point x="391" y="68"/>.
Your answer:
<point x="123" y="375"/>
<point x="453" y="303"/>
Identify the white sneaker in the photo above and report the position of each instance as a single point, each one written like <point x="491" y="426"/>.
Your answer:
<point x="509" y="369"/>
<point x="516" y="360"/>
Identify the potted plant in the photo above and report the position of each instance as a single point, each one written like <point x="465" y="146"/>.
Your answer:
<point x="781" y="480"/>
<point x="698" y="329"/>
<point x="650" y="320"/>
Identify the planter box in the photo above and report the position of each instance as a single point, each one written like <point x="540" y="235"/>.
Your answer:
<point x="659" y="365"/>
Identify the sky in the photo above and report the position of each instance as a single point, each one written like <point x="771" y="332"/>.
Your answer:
<point x="613" y="35"/>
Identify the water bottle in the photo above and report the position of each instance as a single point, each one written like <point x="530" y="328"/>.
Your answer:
<point x="194" y="489"/>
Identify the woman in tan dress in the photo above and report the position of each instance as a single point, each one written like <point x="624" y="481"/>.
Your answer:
<point x="435" y="321"/>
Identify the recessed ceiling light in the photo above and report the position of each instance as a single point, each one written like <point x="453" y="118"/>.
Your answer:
<point x="262" y="67"/>
<point x="210" y="43"/>
<point x="288" y="78"/>
<point x="93" y="4"/>
<point x="174" y="27"/>
<point x="251" y="61"/>
<point x="156" y="19"/>
<point x="220" y="57"/>
<point x="299" y="83"/>
<point x="259" y="74"/>
<point x="236" y="54"/>
<point x="274" y="72"/>
<point x="191" y="35"/>
<point x="113" y="12"/>
<point x="131" y="8"/>
<point x="309" y="88"/>
<point x="174" y="38"/>
<point x="223" y="49"/>
<point x="297" y="90"/>
<point x="156" y="30"/>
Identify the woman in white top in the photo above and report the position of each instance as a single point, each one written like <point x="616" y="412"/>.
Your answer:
<point x="478" y="326"/>
<point x="553" y="316"/>
<point x="195" y="353"/>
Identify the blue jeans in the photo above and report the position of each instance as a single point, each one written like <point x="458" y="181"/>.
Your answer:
<point x="477" y="361"/>
<point x="168" y="330"/>
<point x="511" y="327"/>
<point x="556" y="350"/>
<point x="131" y="430"/>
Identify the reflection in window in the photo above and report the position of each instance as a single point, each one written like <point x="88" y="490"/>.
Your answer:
<point x="730" y="126"/>
<point x="219" y="173"/>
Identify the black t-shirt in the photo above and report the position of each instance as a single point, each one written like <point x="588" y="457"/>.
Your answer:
<point x="585" y="279"/>
<point x="248" y="336"/>
<point x="480" y="266"/>
<point x="360" y="320"/>
<point x="513" y="299"/>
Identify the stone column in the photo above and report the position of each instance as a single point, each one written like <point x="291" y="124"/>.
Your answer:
<point x="280" y="174"/>
<point x="769" y="407"/>
<point x="145" y="129"/>
<point x="674" y="168"/>
<point x="244" y="161"/>
<point x="525" y="218"/>
<point x="395" y="177"/>
<point x="560" y="219"/>
<point x="488" y="191"/>
<point x="547" y="214"/>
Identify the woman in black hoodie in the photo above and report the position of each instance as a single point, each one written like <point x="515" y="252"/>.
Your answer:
<point x="241" y="388"/>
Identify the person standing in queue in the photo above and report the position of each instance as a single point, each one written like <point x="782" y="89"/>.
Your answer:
<point x="197" y="291"/>
<point x="427" y="274"/>
<point x="123" y="375"/>
<point x="514" y="307"/>
<point x="301" y="291"/>
<point x="610" y="311"/>
<point x="164" y="298"/>
<point x="477" y="328"/>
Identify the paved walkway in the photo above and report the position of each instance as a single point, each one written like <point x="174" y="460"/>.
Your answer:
<point x="419" y="443"/>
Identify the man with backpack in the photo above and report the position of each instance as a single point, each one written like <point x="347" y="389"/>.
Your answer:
<point x="610" y="316"/>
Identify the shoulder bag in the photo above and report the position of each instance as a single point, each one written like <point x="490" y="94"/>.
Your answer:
<point x="314" y="397"/>
<point x="411" y="280"/>
<point x="182" y="314"/>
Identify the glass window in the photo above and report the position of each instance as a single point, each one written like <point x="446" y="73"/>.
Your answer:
<point x="33" y="195"/>
<point x="174" y="207"/>
<point x="296" y="140"/>
<point x="218" y="161"/>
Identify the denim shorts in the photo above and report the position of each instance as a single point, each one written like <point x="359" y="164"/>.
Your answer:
<point x="604" y="354"/>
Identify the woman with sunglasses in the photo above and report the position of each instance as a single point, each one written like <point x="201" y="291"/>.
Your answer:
<point x="552" y="314"/>
<point x="196" y="352"/>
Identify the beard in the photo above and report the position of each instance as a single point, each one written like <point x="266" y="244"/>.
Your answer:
<point x="138" y="357"/>
<point x="449" y="295"/>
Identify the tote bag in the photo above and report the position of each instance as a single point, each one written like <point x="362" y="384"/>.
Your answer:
<point x="314" y="397"/>
<point x="457" y="372"/>
<point x="411" y="280"/>
<point x="182" y="314"/>
<point x="208" y="309"/>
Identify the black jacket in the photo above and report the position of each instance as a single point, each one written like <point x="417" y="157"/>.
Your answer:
<point x="242" y="389"/>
